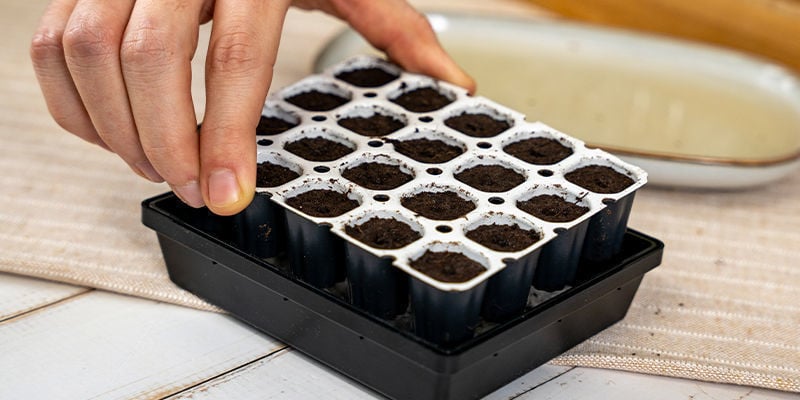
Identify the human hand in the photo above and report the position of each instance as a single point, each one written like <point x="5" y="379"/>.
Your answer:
<point x="118" y="74"/>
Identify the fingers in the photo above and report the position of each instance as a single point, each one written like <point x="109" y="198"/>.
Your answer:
<point x="92" y="40"/>
<point x="60" y="94"/>
<point x="244" y="42"/>
<point x="156" y="52"/>
<point x="404" y="34"/>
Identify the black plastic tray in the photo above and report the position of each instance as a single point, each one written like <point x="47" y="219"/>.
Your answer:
<point x="201" y="256"/>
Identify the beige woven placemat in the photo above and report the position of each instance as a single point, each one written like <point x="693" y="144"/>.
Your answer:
<point x="724" y="306"/>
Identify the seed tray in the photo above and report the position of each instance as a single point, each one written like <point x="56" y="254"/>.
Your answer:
<point x="362" y="126"/>
<point x="203" y="254"/>
<point x="348" y="145"/>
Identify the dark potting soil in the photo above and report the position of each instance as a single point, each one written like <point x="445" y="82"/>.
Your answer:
<point x="377" y="176"/>
<point x="426" y="150"/>
<point x="552" y="208"/>
<point x="376" y="125"/>
<point x="318" y="149"/>
<point x="367" y="77"/>
<point x="322" y="203"/>
<point x="317" y="101"/>
<point x="383" y="233"/>
<point x="447" y="266"/>
<point x="505" y="238"/>
<point x="491" y="178"/>
<point x="477" y="125"/>
<point x="440" y="206"/>
<point x="422" y="100"/>
<point x="539" y="151"/>
<point x="272" y="175"/>
<point x="273" y="126"/>
<point x="599" y="179"/>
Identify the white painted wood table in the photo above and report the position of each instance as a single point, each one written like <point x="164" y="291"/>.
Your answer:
<point x="65" y="342"/>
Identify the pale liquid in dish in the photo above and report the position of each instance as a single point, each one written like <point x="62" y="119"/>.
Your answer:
<point x="630" y="105"/>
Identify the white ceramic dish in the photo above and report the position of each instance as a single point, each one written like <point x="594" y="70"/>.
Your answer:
<point x="689" y="114"/>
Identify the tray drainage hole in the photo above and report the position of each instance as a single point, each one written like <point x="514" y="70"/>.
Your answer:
<point x="425" y="118"/>
<point x="545" y="172"/>
<point x="559" y="321"/>
<point x="619" y="288"/>
<point x="494" y="355"/>
<point x="319" y="118"/>
<point x="609" y="202"/>
<point x="444" y="229"/>
<point x="380" y="197"/>
<point x="496" y="200"/>
<point x="434" y="171"/>
<point x="265" y="142"/>
<point x="285" y="299"/>
<point x="213" y="263"/>
<point x="360" y="338"/>
<point x="484" y="145"/>
<point x="321" y="169"/>
<point x="370" y="94"/>
<point x="559" y="231"/>
<point x="375" y="143"/>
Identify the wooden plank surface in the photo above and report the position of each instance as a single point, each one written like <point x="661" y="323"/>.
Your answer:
<point x="288" y="374"/>
<point x="106" y="346"/>
<point x="769" y="28"/>
<point x="592" y="384"/>
<point x="19" y="294"/>
<point x="97" y="345"/>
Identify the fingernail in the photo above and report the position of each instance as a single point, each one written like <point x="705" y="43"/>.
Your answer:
<point x="223" y="188"/>
<point x="147" y="169"/>
<point x="190" y="194"/>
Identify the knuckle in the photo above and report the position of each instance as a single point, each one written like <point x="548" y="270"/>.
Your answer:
<point x="145" y="46"/>
<point x="160" y="153"/>
<point x="90" y="42"/>
<point x="164" y="149"/>
<point x="46" y="45"/>
<point x="234" y="52"/>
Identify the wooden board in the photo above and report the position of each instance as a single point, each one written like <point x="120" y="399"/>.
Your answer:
<point x="770" y="28"/>
<point x="102" y="345"/>
<point x="19" y="295"/>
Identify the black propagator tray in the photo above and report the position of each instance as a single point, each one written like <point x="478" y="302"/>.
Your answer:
<point x="201" y="257"/>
